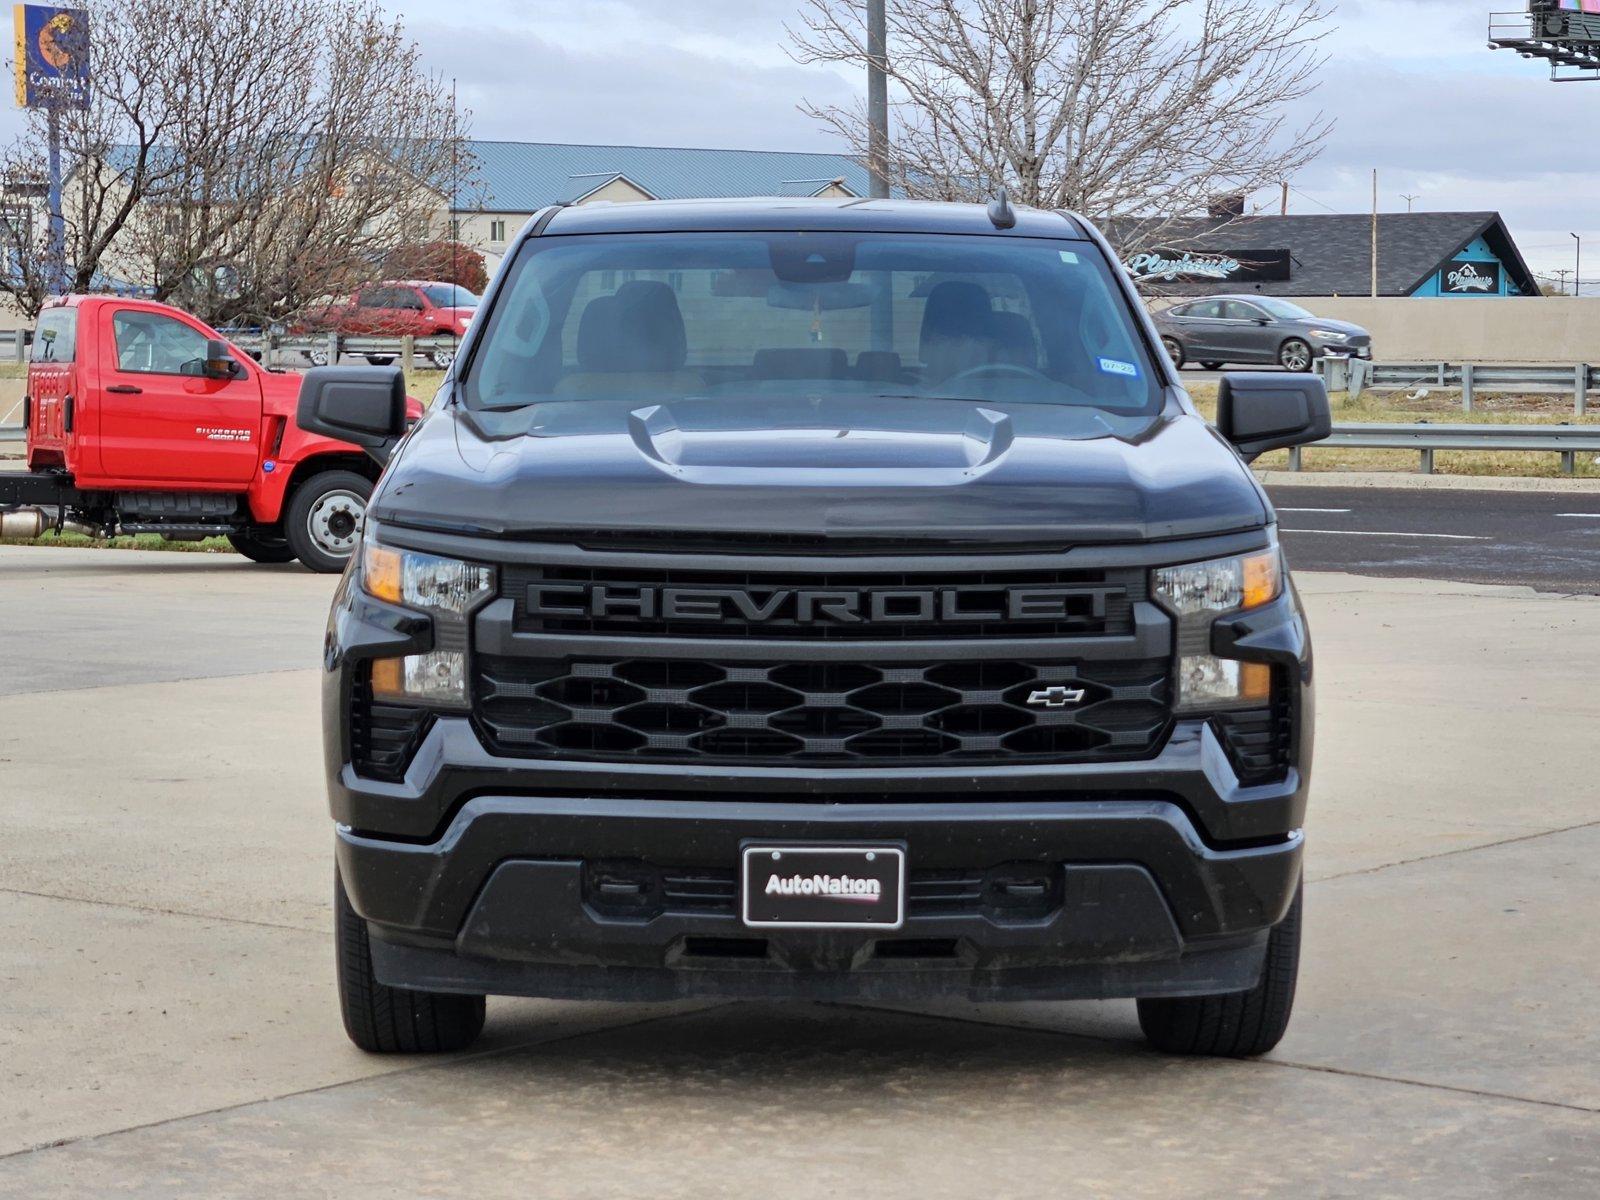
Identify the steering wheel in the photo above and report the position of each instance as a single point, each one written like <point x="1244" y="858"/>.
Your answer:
<point x="1014" y="370"/>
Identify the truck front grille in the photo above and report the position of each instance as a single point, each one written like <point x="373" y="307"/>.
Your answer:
<point x="818" y="713"/>
<point x="841" y="605"/>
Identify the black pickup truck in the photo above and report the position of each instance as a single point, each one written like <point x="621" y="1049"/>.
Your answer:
<point x="832" y="600"/>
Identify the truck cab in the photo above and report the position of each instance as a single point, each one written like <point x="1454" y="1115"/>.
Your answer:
<point x="142" y="419"/>
<point x="837" y="600"/>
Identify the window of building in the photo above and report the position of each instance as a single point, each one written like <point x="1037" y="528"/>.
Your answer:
<point x="497" y="231"/>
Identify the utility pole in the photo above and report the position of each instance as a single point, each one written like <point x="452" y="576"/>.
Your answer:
<point x="1561" y="279"/>
<point x="1374" y="233"/>
<point x="878" y="97"/>
<point x="1283" y="207"/>
<point x="1409" y="200"/>
<point x="1577" y="268"/>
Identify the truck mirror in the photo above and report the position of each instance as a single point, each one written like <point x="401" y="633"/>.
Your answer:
<point x="365" y="406"/>
<point x="219" y="361"/>
<point x="1271" y="410"/>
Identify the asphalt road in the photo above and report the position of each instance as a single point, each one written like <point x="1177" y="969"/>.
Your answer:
<point x="1545" y="540"/>
<point x="168" y="1023"/>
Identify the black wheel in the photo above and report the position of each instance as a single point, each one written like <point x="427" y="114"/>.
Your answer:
<point x="1212" y="366"/>
<point x="322" y="521"/>
<point x="319" y="357"/>
<point x="1235" y="1024"/>
<point x="386" y="1020"/>
<point x="1295" y="355"/>
<point x="380" y="360"/>
<point x="262" y="547"/>
<point x="1174" y="350"/>
<point x="443" y="357"/>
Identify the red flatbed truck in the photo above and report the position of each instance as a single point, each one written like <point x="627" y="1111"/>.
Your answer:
<point x="142" y="419"/>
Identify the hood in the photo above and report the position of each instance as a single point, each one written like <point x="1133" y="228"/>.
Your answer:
<point x="849" y="466"/>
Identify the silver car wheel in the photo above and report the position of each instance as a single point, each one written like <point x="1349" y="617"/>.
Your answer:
<point x="1295" y="356"/>
<point x="334" y="523"/>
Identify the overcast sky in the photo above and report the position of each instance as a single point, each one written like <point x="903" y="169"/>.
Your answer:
<point x="1410" y="83"/>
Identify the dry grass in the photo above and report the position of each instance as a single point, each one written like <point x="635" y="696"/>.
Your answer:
<point x="1439" y="407"/>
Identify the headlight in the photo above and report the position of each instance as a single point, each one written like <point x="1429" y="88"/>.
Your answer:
<point x="446" y="588"/>
<point x="1223" y="585"/>
<point x="1330" y="335"/>
<point x="1197" y="594"/>
<point x="442" y="585"/>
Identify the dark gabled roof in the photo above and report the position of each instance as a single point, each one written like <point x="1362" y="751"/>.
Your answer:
<point x="1332" y="252"/>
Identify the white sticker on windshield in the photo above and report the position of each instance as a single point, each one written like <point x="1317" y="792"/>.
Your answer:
<point x="1114" y="366"/>
<point x="1067" y="256"/>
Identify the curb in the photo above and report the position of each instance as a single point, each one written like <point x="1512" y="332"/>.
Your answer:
<point x="1401" y="481"/>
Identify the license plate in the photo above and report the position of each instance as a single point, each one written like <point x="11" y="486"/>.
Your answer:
<point x="823" y="887"/>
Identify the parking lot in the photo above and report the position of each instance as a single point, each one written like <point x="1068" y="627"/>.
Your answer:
<point x="167" y="1015"/>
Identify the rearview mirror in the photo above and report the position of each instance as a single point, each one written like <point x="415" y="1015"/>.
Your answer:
<point x="365" y="406"/>
<point x="1271" y="410"/>
<point x="219" y="362"/>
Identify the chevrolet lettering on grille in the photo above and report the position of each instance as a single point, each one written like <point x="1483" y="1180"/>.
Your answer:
<point x="812" y="606"/>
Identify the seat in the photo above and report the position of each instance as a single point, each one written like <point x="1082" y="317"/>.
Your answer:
<point x="879" y="366"/>
<point x="633" y="341"/>
<point x="801" y="362"/>
<point x="958" y="330"/>
<point x="1015" y="344"/>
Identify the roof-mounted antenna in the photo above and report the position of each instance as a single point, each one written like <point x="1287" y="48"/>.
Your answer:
<point x="1001" y="214"/>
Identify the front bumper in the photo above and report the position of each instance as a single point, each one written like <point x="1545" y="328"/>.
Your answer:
<point x="503" y="902"/>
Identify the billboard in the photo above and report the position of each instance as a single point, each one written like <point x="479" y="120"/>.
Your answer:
<point x="52" y="56"/>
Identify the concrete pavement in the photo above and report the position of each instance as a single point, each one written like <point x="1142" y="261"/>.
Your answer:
<point x="167" y="1018"/>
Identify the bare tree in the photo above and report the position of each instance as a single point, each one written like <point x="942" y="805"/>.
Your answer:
<point x="241" y="157"/>
<point x="1113" y="108"/>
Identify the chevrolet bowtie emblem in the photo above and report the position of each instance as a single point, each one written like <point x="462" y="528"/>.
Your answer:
<point x="1056" y="697"/>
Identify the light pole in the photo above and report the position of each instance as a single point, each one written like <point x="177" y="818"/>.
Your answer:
<point x="878" y="97"/>
<point x="1577" y="268"/>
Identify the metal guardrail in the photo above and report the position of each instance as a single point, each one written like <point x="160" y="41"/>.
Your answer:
<point x="328" y="347"/>
<point x="1578" y="379"/>
<point x="1567" y="440"/>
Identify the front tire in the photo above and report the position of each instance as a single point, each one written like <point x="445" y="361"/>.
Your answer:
<point x="262" y="547"/>
<point x="387" y="1020"/>
<point x="380" y="360"/>
<point x="1212" y="366"/>
<point x="1295" y="355"/>
<point x="323" y="519"/>
<point x="1174" y="350"/>
<point x="442" y="359"/>
<point x="1235" y="1024"/>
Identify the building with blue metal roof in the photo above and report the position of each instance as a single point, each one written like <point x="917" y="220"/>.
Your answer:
<point x="505" y="183"/>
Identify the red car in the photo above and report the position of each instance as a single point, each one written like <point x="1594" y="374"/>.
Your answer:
<point x="419" y="308"/>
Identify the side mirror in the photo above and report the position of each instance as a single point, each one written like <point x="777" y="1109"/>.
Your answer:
<point x="1271" y="410"/>
<point x="365" y="406"/>
<point x="219" y="363"/>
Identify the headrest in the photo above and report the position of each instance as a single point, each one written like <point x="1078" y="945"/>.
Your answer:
<point x="638" y="329"/>
<point x="1014" y="340"/>
<point x="956" y="309"/>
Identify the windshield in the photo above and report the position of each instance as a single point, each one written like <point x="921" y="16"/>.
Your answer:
<point x="445" y="296"/>
<point x="652" y="318"/>
<point x="1281" y="308"/>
